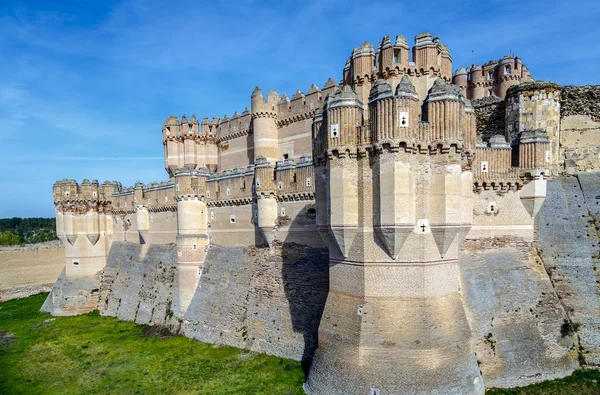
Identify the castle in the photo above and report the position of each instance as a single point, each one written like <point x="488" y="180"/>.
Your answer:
<point x="387" y="173"/>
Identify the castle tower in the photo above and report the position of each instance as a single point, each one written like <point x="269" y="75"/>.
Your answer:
<point x="461" y="79"/>
<point x="398" y="206"/>
<point x="264" y="185"/>
<point x="192" y="232"/>
<point x="264" y="125"/>
<point x="425" y="52"/>
<point x="477" y="88"/>
<point x="173" y="145"/>
<point x="363" y="61"/>
<point x="532" y="106"/>
<point x="142" y="216"/>
<point x="84" y="225"/>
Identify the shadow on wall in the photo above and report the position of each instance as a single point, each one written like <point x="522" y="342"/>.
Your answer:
<point x="305" y="276"/>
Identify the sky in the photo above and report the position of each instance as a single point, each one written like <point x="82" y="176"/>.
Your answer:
<point x="85" y="85"/>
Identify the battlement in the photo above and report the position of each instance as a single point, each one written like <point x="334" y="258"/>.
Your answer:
<point x="492" y="79"/>
<point x="429" y="57"/>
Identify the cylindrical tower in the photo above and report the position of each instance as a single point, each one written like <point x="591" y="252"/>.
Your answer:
<point x="460" y="78"/>
<point x="264" y="125"/>
<point x="477" y="82"/>
<point x="192" y="234"/>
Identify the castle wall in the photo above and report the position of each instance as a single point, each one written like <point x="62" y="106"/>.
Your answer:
<point x="500" y="214"/>
<point x="265" y="300"/>
<point x="580" y="128"/>
<point x="570" y="245"/>
<point x="514" y="314"/>
<point x="138" y="283"/>
<point x="236" y="152"/>
<point x="223" y="231"/>
<point x="490" y="113"/>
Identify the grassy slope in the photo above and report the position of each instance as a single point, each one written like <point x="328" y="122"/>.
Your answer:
<point x="94" y="354"/>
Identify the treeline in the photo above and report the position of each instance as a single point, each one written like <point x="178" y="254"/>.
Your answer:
<point x="14" y="231"/>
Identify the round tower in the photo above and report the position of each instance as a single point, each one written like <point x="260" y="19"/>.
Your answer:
<point x="192" y="234"/>
<point x="477" y="82"/>
<point x="460" y="79"/>
<point x="171" y="142"/>
<point x="264" y="125"/>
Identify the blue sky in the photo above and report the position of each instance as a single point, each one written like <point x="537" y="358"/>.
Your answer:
<point x="85" y="85"/>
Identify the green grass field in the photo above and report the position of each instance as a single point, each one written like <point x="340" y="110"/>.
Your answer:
<point x="88" y="354"/>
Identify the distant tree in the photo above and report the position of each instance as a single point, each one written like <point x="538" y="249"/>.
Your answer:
<point x="29" y="230"/>
<point x="8" y="238"/>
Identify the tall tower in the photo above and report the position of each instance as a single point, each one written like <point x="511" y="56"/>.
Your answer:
<point x="396" y="198"/>
<point x="264" y="124"/>
<point x="192" y="232"/>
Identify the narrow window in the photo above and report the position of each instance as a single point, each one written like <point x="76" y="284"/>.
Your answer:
<point x="507" y="70"/>
<point x="232" y="219"/>
<point x="285" y="156"/>
<point x="490" y="75"/>
<point x="308" y="183"/>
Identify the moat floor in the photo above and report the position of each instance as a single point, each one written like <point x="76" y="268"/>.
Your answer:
<point x="40" y="354"/>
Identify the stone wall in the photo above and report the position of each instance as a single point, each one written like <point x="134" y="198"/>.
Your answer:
<point x="514" y="314"/>
<point x="580" y="100"/>
<point x="138" y="283"/>
<point x="568" y="236"/>
<point x="265" y="300"/>
<point x="490" y="114"/>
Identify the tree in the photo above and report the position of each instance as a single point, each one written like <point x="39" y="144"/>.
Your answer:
<point x="9" y="238"/>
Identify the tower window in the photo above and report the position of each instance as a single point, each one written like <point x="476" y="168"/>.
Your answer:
<point x="228" y="192"/>
<point x="489" y="92"/>
<point x="285" y="156"/>
<point x="507" y="70"/>
<point x="232" y="219"/>
<point x="490" y="75"/>
<point x="308" y="182"/>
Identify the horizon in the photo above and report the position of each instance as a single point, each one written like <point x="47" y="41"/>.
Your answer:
<point x="84" y="90"/>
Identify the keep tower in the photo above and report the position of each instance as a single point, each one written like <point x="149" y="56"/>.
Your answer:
<point x="394" y="203"/>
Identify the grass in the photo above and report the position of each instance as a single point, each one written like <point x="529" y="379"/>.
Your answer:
<point x="582" y="382"/>
<point x="40" y="354"/>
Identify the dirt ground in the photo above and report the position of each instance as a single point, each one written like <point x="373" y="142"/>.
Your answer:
<point x="29" y="270"/>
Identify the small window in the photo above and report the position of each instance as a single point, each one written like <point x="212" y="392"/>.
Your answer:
<point x="166" y="199"/>
<point x="208" y="193"/>
<point x="228" y="192"/>
<point x="232" y="219"/>
<point x="177" y="187"/>
<point x="191" y="128"/>
<point x="280" y="185"/>
<point x="285" y="156"/>
<point x="134" y="199"/>
<point x="67" y="194"/>
<point x="149" y="202"/>
<point x="255" y="213"/>
<point x="484" y="167"/>
<point x="94" y="194"/>
<point x="194" y="247"/>
<point x="308" y="182"/>
<point x="489" y="92"/>
<point x="75" y="263"/>
<point x="212" y="215"/>
<point x="125" y="204"/>
<point x="283" y="211"/>
<point x="507" y="70"/>
<point x="490" y="75"/>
